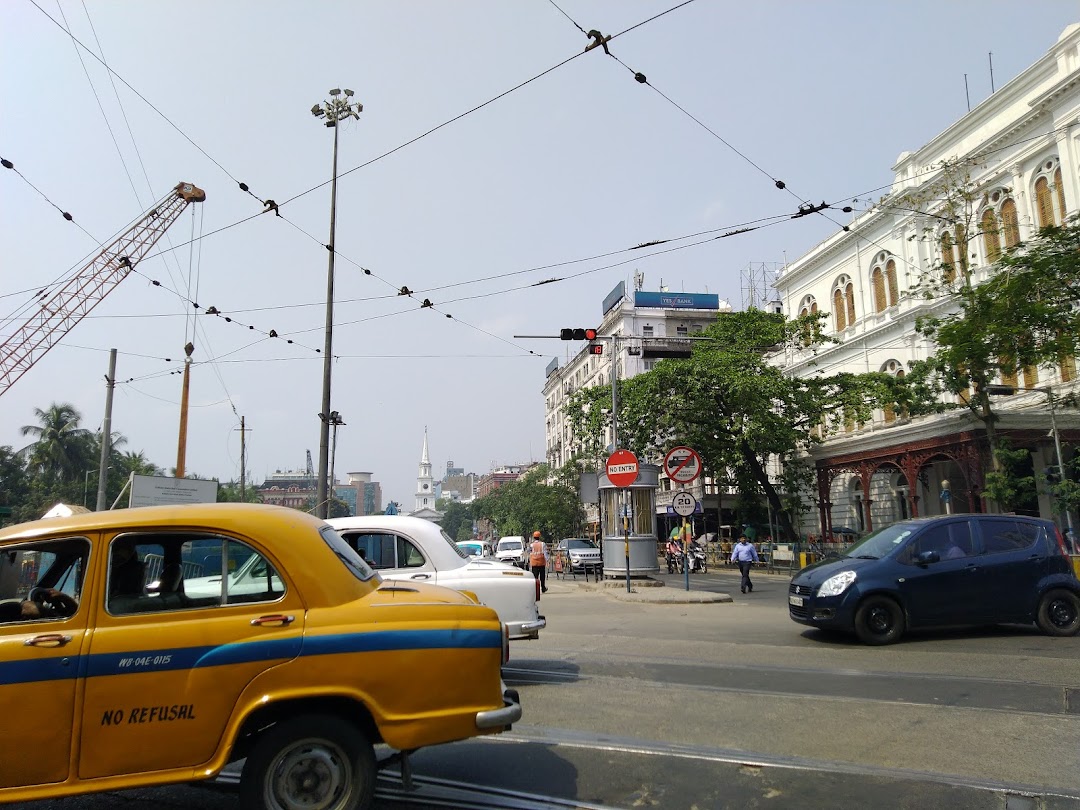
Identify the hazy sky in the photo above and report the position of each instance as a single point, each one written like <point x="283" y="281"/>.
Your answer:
<point x="583" y="161"/>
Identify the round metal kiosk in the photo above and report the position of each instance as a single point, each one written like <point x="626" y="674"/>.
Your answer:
<point x="641" y="496"/>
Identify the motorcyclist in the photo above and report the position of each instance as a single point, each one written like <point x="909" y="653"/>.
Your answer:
<point x="673" y="550"/>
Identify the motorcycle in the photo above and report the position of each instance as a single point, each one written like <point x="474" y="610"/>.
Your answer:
<point x="674" y="562"/>
<point x="695" y="559"/>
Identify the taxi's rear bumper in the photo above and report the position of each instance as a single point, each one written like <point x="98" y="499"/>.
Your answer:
<point x="530" y="629"/>
<point x="501" y="718"/>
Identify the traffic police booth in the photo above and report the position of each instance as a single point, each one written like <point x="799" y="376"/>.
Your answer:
<point x="628" y="518"/>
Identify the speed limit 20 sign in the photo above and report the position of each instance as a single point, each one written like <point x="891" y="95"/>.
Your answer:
<point x="682" y="465"/>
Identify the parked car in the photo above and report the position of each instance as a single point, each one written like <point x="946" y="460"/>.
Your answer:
<point x="109" y="686"/>
<point x="415" y="550"/>
<point x="512" y="550"/>
<point x="475" y="548"/>
<point x="952" y="570"/>
<point x="580" y="552"/>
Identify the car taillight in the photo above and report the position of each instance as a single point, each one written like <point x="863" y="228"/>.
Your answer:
<point x="505" y="644"/>
<point x="537" y="589"/>
<point x="1061" y="542"/>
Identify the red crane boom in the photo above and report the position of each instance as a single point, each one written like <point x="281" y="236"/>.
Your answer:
<point x="73" y="300"/>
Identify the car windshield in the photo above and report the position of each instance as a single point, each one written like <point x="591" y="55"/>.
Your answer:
<point x="882" y="542"/>
<point x="577" y="542"/>
<point x="509" y="545"/>
<point x="348" y="556"/>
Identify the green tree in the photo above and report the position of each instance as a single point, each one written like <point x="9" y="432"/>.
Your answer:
<point x="736" y="408"/>
<point x="531" y="504"/>
<point x="457" y="520"/>
<point x="62" y="451"/>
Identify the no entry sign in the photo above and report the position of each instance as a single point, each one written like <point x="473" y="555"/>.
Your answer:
<point x="622" y="468"/>
<point x="682" y="465"/>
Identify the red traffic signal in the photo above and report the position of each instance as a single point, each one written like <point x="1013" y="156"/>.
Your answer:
<point x="577" y="334"/>
<point x="596" y="348"/>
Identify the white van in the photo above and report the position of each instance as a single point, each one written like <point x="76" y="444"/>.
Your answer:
<point x="512" y="550"/>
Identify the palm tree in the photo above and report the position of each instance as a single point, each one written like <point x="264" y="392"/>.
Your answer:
<point x="61" y="450"/>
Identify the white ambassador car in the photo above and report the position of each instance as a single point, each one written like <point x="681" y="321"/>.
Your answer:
<point x="412" y="549"/>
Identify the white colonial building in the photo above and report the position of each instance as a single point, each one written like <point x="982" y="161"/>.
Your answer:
<point x="636" y="329"/>
<point x="1021" y="149"/>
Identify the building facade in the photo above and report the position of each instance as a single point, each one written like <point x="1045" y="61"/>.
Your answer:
<point x="637" y="329"/>
<point x="1020" y="149"/>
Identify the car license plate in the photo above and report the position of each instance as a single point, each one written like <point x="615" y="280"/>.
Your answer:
<point x="796" y="600"/>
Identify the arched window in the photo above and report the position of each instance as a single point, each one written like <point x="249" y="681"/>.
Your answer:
<point x="948" y="269"/>
<point x="878" y="281"/>
<point x="849" y="294"/>
<point x="897" y="370"/>
<point x="991" y="237"/>
<point x="1044" y="203"/>
<point x="1031" y="376"/>
<point x="808" y="306"/>
<point x="839" y="311"/>
<point x="1060" y="195"/>
<point x="1010" y="223"/>
<point x="1008" y="376"/>
<point x="894" y="289"/>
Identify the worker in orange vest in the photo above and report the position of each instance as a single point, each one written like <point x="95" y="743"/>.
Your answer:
<point x="538" y="556"/>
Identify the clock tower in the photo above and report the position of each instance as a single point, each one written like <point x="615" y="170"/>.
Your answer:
<point x="425" y="484"/>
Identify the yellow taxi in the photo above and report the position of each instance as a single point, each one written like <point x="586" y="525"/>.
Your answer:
<point x="113" y="675"/>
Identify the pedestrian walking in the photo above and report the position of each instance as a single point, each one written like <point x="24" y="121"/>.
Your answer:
<point x="745" y="555"/>
<point x="538" y="557"/>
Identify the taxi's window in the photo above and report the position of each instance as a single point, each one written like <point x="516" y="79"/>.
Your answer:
<point x="155" y="572"/>
<point x="42" y="581"/>
<point x="409" y="556"/>
<point x="349" y="557"/>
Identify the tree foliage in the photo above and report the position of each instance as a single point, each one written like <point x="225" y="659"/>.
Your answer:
<point x="1024" y="315"/>
<point x="735" y="407"/>
<point x="531" y="504"/>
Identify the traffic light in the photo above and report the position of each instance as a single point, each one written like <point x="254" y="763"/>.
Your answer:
<point x="596" y="348"/>
<point x="1053" y="474"/>
<point x="577" y="334"/>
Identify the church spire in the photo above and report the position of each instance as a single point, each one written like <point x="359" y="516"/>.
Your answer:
<point x="425" y="483"/>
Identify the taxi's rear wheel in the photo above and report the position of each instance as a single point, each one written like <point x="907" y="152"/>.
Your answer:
<point x="313" y="762"/>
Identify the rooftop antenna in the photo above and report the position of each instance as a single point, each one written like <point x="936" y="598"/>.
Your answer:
<point x="966" y="93"/>
<point x="991" y="71"/>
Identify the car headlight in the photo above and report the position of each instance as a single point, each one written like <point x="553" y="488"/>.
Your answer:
<point x="836" y="584"/>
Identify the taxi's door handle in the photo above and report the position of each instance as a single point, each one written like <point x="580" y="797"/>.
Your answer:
<point x="48" y="640"/>
<point x="274" y="618"/>
<point x="420" y="576"/>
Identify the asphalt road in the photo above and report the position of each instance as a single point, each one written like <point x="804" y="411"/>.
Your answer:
<point x="720" y="705"/>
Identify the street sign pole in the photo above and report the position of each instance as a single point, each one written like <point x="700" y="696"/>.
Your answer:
<point x="685" y="505"/>
<point x="626" y="535"/>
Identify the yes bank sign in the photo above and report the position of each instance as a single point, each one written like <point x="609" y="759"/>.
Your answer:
<point x="670" y="300"/>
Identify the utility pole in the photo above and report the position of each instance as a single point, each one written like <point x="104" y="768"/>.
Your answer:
<point x="181" y="444"/>
<point x="243" y="459"/>
<point x="333" y="110"/>
<point x="106" y="433"/>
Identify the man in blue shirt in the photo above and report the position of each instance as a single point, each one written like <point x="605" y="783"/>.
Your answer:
<point x="744" y="555"/>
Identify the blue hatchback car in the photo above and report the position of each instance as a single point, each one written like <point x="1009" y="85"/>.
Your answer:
<point x="953" y="570"/>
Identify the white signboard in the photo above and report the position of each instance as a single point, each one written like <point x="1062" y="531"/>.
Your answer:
<point x="683" y="503"/>
<point x="152" y="490"/>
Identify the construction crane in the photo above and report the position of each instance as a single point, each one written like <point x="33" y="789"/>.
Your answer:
<point x="58" y="313"/>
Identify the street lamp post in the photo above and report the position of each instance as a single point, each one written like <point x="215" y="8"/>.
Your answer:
<point x="334" y="110"/>
<point x="335" y="420"/>
<point x="1057" y="449"/>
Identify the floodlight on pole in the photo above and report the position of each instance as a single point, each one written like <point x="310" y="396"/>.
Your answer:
<point x="333" y="110"/>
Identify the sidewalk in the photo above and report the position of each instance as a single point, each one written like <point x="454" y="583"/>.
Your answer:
<point x="655" y="591"/>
